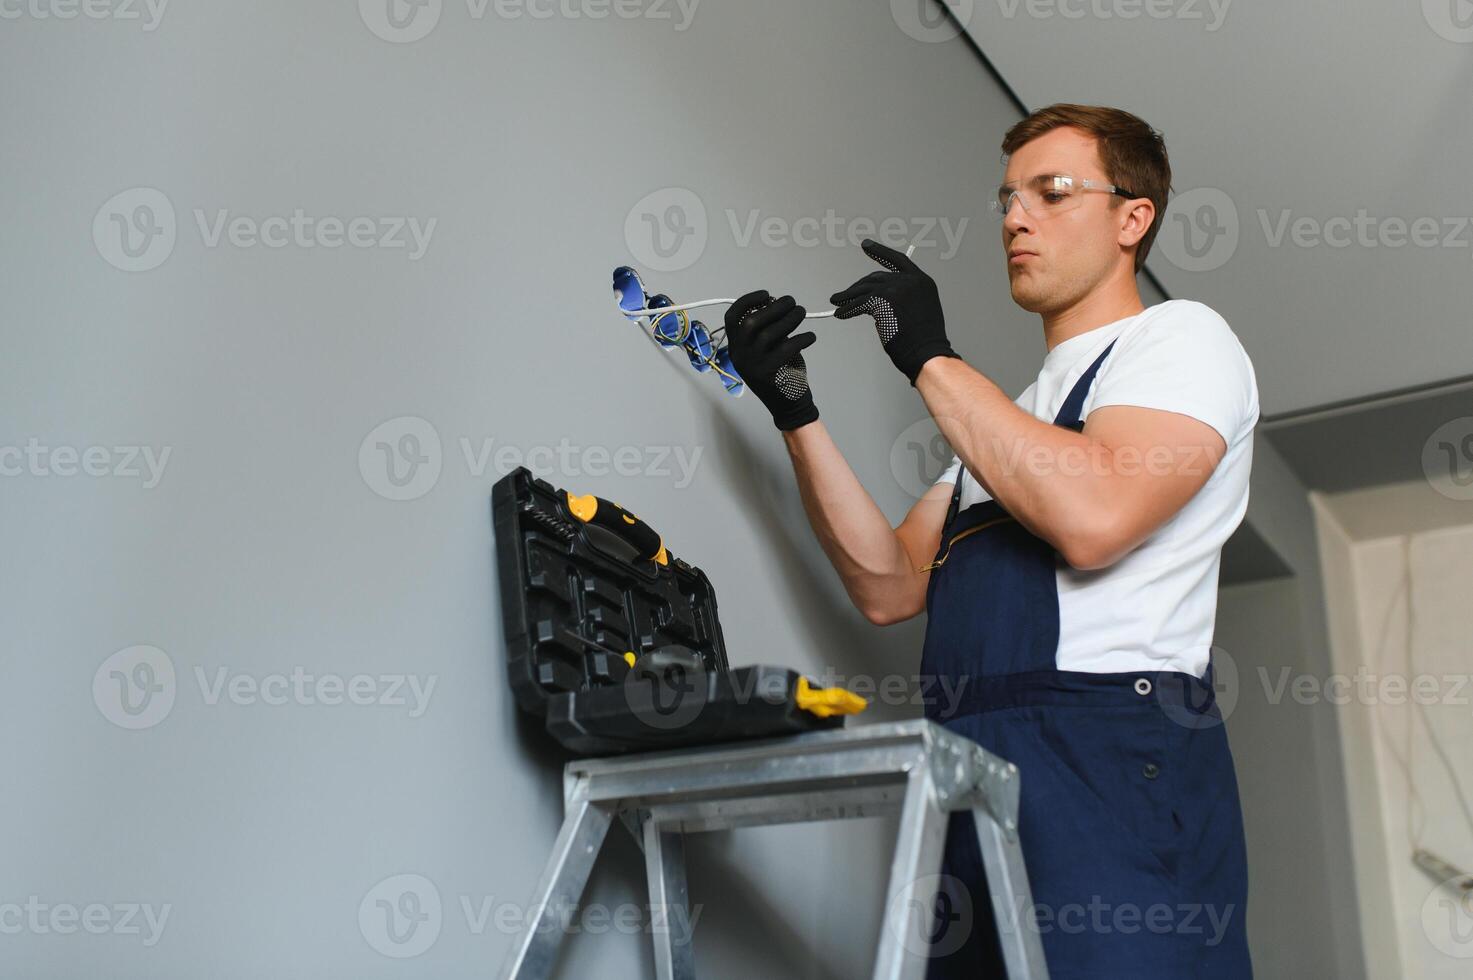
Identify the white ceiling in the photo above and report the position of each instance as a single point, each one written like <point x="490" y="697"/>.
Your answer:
<point x="1292" y="110"/>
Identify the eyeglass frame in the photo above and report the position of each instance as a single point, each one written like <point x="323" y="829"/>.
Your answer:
<point x="1001" y="211"/>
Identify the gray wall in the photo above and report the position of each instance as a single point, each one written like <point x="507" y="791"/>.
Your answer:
<point x="263" y="548"/>
<point x="1290" y="918"/>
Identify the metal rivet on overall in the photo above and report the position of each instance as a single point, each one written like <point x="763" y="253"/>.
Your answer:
<point x="1142" y="686"/>
<point x="1151" y="771"/>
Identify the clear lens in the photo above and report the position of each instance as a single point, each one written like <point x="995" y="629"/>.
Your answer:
<point x="1042" y="195"/>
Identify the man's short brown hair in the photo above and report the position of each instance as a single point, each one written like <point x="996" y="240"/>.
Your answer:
<point x="1132" y="154"/>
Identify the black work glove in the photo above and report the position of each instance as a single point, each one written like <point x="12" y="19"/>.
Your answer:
<point x="906" y="308"/>
<point x="769" y="361"/>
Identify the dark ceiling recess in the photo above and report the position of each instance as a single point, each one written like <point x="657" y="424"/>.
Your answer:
<point x="1246" y="557"/>
<point x="1358" y="446"/>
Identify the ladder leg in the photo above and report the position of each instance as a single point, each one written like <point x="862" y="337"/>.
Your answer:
<point x="1012" y="899"/>
<point x="905" y="933"/>
<point x="670" y="922"/>
<point x="561" y="885"/>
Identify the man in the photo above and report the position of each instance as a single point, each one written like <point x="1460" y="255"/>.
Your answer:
<point x="1067" y="560"/>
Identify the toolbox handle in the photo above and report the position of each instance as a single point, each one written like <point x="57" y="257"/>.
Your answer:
<point x="615" y="519"/>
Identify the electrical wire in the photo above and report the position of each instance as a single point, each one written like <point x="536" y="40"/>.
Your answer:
<point x="679" y="308"/>
<point x="1416" y="812"/>
<point x="1414" y="805"/>
<point x="1421" y="705"/>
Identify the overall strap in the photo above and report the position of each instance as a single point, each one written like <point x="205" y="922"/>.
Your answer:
<point x="1068" y="417"/>
<point x="1069" y="413"/>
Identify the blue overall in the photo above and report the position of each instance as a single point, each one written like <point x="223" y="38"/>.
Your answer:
<point x="1129" y="814"/>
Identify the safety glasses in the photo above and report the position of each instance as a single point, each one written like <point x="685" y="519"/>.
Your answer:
<point x="1049" y="194"/>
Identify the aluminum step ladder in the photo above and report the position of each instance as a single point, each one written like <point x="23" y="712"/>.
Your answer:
<point x="915" y="768"/>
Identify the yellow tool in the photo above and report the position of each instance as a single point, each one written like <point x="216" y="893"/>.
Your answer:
<point x="827" y="701"/>
<point x="611" y="517"/>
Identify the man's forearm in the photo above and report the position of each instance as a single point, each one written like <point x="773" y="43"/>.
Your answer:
<point x="1012" y="454"/>
<point x="849" y="525"/>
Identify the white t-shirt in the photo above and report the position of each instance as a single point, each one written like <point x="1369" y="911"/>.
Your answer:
<point x="1155" y="608"/>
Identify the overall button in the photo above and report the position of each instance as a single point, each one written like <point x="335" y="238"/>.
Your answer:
<point x="1151" y="771"/>
<point x="1142" y="686"/>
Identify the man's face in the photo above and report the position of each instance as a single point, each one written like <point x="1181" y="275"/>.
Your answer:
<point x="1056" y="259"/>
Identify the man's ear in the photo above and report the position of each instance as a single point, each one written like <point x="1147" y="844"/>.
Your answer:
<point x="1135" y="220"/>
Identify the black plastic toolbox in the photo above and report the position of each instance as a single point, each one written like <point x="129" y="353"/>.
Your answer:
<point x="615" y="642"/>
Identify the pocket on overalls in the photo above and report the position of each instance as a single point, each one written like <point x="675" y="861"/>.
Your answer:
<point x="994" y="602"/>
<point x="1125" y="761"/>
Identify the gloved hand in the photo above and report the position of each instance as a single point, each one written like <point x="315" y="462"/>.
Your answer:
<point x="906" y="308"/>
<point x="769" y="361"/>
